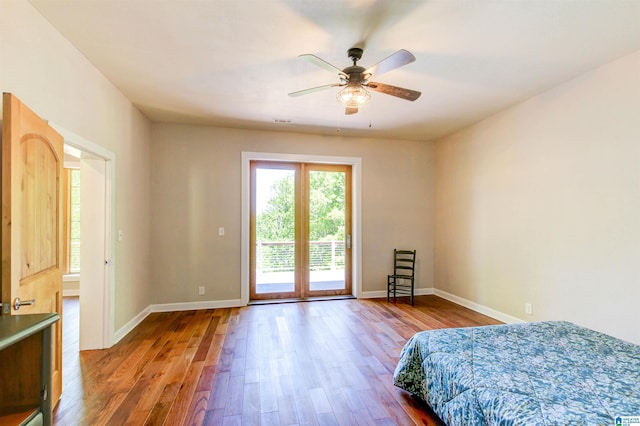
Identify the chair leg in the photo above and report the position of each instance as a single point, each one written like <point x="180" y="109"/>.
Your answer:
<point x="391" y="286"/>
<point x="411" y="291"/>
<point x="388" y="288"/>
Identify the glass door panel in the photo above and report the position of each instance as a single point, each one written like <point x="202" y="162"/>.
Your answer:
<point x="327" y="230"/>
<point x="274" y="231"/>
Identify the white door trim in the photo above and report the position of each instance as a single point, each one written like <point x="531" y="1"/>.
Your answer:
<point x="356" y="226"/>
<point x="104" y="290"/>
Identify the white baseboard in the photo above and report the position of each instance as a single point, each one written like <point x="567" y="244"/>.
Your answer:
<point x="373" y="294"/>
<point x="71" y="292"/>
<point x="173" y="307"/>
<point x="133" y="323"/>
<point x="190" y="306"/>
<point x="478" y="308"/>
<point x="383" y="293"/>
<point x="452" y="298"/>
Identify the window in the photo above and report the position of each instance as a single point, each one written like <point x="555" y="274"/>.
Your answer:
<point x="74" y="237"/>
<point x="72" y="221"/>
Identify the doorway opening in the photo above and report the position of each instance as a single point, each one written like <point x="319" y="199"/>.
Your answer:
<point x="87" y="314"/>
<point x="95" y="292"/>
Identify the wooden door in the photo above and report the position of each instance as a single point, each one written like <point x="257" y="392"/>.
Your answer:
<point x="32" y="159"/>
<point x="300" y="230"/>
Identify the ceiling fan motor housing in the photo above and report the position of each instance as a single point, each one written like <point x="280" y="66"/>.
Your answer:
<point x="355" y="74"/>
<point x="355" y="53"/>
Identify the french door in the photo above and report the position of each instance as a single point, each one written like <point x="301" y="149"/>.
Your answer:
<point x="300" y="230"/>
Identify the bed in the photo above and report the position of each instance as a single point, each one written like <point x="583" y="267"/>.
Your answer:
<point x="545" y="373"/>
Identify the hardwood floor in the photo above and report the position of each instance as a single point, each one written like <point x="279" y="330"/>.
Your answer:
<point x="316" y="363"/>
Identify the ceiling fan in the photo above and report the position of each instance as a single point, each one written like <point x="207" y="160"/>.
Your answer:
<point x="354" y="79"/>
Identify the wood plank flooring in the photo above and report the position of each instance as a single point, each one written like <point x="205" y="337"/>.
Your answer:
<point x="309" y="363"/>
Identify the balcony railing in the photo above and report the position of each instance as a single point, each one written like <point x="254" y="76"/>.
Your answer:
<point x="280" y="256"/>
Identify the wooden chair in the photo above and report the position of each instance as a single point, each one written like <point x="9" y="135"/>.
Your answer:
<point x="402" y="280"/>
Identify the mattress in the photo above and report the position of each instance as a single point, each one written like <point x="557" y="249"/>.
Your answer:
<point x="545" y="373"/>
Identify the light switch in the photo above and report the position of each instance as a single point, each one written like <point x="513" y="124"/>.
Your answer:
<point x="120" y="235"/>
<point x="221" y="231"/>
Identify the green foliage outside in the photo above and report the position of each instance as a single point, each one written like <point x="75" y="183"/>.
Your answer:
<point x="327" y="206"/>
<point x="277" y="221"/>
<point x="276" y="224"/>
<point x="327" y="215"/>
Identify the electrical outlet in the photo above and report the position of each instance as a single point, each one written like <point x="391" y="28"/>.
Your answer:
<point x="201" y="290"/>
<point x="528" y="309"/>
<point x="221" y="231"/>
<point x="400" y="281"/>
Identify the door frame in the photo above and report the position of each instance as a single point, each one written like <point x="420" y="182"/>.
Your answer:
<point x="102" y="298"/>
<point x="356" y="226"/>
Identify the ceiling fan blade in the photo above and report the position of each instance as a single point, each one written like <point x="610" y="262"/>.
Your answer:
<point x="314" y="89"/>
<point x="322" y="64"/>
<point x="398" y="92"/>
<point x="350" y="110"/>
<point x="396" y="60"/>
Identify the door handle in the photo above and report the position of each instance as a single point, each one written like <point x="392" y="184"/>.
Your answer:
<point x="17" y="303"/>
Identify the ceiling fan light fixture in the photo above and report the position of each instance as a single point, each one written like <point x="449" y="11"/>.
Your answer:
<point x="353" y="96"/>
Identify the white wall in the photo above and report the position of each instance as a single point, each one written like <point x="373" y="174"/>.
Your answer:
<point x="196" y="188"/>
<point x="48" y="74"/>
<point x="541" y="204"/>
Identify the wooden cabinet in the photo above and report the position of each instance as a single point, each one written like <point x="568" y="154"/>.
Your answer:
<point x="25" y="369"/>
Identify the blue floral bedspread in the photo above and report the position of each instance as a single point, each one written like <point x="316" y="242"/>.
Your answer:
<point x="546" y="373"/>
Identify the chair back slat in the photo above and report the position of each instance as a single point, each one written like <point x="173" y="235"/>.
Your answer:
<point x="404" y="260"/>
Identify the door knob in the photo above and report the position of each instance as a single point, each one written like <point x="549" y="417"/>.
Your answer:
<point x="17" y="303"/>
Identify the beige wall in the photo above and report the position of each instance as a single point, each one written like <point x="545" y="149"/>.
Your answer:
<point x="196" y="188"/>
<point x="541" y="204"/>
<point x="49" y="75"/>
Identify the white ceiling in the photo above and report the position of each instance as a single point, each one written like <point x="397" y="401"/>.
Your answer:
<point x="232" y="62"/>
